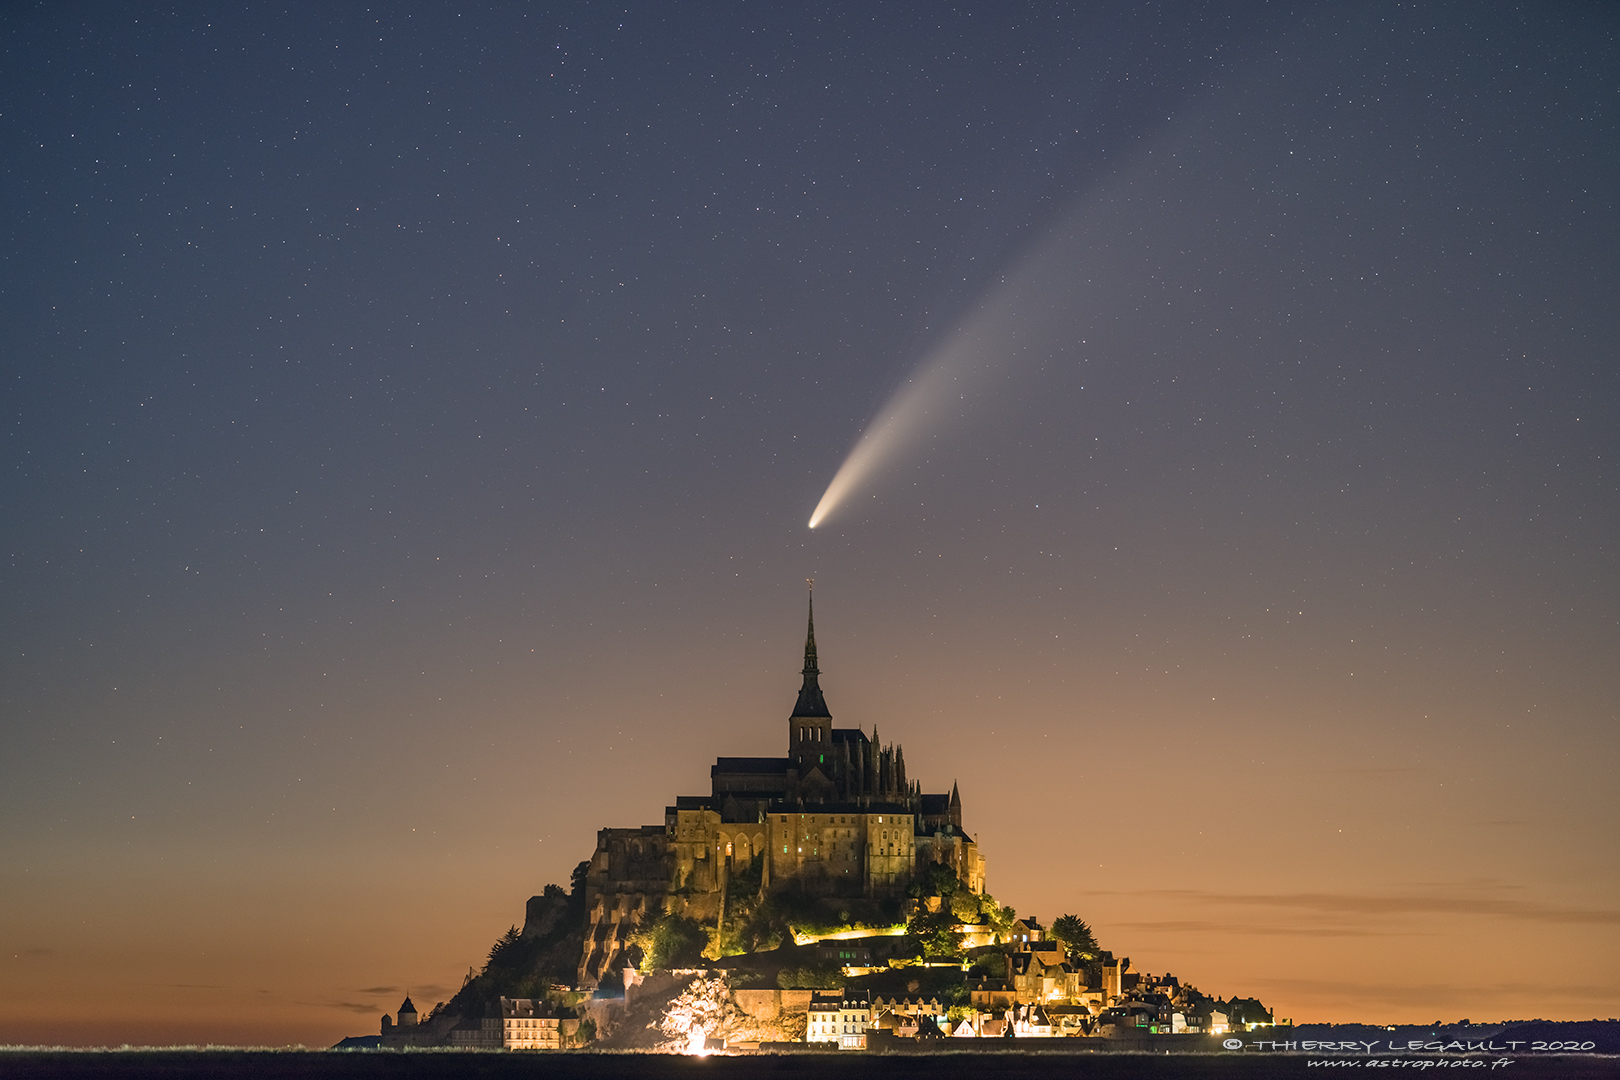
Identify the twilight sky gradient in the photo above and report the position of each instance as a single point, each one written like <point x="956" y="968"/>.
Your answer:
<point x="412" y="416"/>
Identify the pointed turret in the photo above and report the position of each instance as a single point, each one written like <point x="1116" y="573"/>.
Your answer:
<point x="811" y="703"/>
<point x="953" y="812"/>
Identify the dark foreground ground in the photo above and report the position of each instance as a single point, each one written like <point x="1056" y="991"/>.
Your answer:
<point x="317" y="1065"/>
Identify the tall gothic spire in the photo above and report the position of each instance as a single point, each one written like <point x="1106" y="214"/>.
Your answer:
<point x="810" y="701"/>
<point x="810" y="667"/>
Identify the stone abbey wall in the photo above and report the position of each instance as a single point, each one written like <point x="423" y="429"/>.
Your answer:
<point x="836" y="817"/>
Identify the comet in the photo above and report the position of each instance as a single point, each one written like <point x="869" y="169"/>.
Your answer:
<point x="1015" y="316"/>
<point x="935" y="390"/>
<point x="1042" y="308"/>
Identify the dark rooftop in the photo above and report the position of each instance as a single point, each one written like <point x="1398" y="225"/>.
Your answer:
<point x="732" y="765"/>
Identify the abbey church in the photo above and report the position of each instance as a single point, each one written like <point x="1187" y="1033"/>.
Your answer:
<point x="836" y="817"/>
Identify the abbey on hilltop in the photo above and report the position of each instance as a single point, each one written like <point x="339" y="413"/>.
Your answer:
<point x="835" y="818"/>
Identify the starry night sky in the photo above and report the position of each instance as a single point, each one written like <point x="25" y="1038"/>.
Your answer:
<point x="412" y="415"/>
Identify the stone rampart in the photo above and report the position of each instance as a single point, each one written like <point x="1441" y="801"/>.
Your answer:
<point x="770" y="1006"/>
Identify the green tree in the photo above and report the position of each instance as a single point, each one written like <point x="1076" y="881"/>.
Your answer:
<point x="823" y="976"/>
<point x="990" y="964"/>
<point x="521" y="966"/>
<point x="936" y="931"/>
<point x="1076" y="937"/>
<point x="505" y="946"/>
<point x="670" y="941"/>
<point x="1001" y="918"/>
<point x="937" y="880"/>
<point x="965" y="906"/>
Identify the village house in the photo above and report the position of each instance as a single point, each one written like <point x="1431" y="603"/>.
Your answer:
<point x="1041" y="972"/>
<point x="910" y="1008"/>
<point x="840" y="1019"/>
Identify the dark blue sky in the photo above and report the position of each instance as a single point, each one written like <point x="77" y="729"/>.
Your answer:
<point x="412" y="415"/>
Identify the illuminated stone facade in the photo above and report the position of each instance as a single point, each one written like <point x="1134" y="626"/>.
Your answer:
<point x="836" y="817"/>
<point x="839" y="1020"/>
<point x="529" y="1024"/>
<point x="516" y="1024"/>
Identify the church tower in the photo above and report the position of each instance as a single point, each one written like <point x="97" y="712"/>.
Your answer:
<point x="837" y="817"/>
<point x="810" y="726"/>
